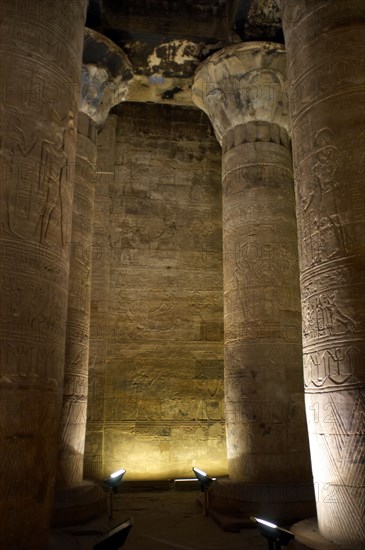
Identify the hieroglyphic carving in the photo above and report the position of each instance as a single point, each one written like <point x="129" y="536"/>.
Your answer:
<point x="140" y="318"/>
<point x="326" y="207"/>
<point x="261" y="290"/>
<point x="336" y="366"/>
<point x="93" y="466"/>
<point x="73" y="421"/>
<point x="248" y="411"/>
<point x="164" y="305"/>
<point x="38" y="100"/>
<point x="212" y="331"/>
<point x="22" y="365"/>
<point x="100" y="300"/>
<point x="101" y="89"/>
<point x="42" y="186"/>
<point x="326" y="100"/>
<point x="209" y="389"/>
<point x="52" y="171"/>
<point x="322" y="316"/>
<point x="260" y="263"/>
<point x="135" y="235"/>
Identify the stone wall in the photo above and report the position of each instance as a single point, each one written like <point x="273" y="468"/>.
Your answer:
<point x="156" y="365"/>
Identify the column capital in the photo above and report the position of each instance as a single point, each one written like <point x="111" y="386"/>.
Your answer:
<point x="241" y="84"/>
<point x="105" y="76"/>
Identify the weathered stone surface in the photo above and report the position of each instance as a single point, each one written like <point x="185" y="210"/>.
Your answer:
<point x="168" y="70"/>
<point x="40" y="68"/>
<point x="243" y="83"/>
<point x="163" y="366"/>
<point x="100" y="325"/>
<point x="106" y="76"/>
<point x="265" y="420"/>
<point x="263" y="21"/>
<point x="73" y="424"/>
<point x="263" y="368"/>
<point x="106" y="73"/>
<point x="233" y="504"/>
<point x="326" y="51"/>
<point x="165" y="41"/>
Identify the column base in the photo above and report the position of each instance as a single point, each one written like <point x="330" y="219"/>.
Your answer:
<point x="79" y="504"/>
<point x="231" y="504"/>
<point x="307" y="536"/>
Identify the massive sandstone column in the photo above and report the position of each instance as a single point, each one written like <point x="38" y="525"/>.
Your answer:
<point x="101" y="318"/>
<point x="326" y="63"/>
<point x="41" y="48"/>
<point x="242" y="89"/>
<point x="106" y="72"/>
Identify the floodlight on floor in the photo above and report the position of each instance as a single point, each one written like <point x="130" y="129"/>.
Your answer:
<point x="276" y="536"/>
<point x="205" y="482"/>
<point x="203" y="478"/>
<point x="115" y="538"/>
<point x="115" y="479"/>
<point x="112" y="482"/>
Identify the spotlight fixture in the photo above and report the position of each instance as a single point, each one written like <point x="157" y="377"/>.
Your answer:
<point x="114" y="480"/>
<point x="276" y="536"/>
<point x="115" y="538"/>
<point x="203" y="478"/>
<point x="205" y="482"/>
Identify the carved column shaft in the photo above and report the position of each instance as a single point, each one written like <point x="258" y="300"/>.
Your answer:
<point x="106" y="72"/>
<point x="242" y="90"/>
<point x="101" y="323"/>
<point x="73" y="422"/>
<point x="326" y="52"/>
<point x="265" y="425"/>
<point x="41" y="50"/>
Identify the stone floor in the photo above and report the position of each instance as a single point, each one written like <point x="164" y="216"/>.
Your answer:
<point x="172" y="519"/>
<point x="163" y="520"/>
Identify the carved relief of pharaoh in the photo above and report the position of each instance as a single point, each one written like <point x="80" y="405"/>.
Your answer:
<point x="324" y="195"/>
<point x="53" y="178"/>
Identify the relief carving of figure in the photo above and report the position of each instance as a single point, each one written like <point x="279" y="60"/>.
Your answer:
<point x="136" y="236"/>
<point x="12" y="136"/>
<point x="335" y="317"/>
<point x="322" y="316"/>
<point x="53" y="176"/>
<point x="15" y="147"/>
<point x="324" y="195"/>
<point x="308" y="321"/>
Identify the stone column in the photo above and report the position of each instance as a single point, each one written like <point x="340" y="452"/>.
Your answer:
<point x="41" y="49"/>
<point x="106" y="72"/>
<point x="101" y="325"/>
<point x="326" y="51"/>
<point x="242" y="89"/>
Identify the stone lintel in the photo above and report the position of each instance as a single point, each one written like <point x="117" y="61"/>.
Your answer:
<point x="105" y="76"/>
<point x="241" y="84"/>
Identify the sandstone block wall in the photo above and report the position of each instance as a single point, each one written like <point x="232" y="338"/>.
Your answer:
<point x="156" y="365"/>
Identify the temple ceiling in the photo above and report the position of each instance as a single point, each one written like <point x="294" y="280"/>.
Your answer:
<point x="165" y="40"/>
